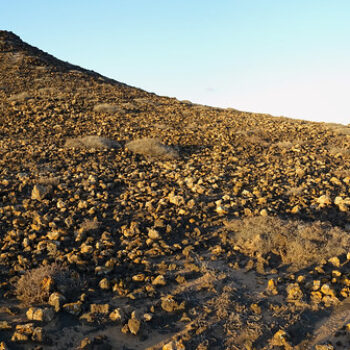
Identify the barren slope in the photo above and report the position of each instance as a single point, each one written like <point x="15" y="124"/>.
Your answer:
<point x="215" y="229"/>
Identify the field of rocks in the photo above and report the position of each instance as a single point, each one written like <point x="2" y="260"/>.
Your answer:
<point x="134" y="221"/>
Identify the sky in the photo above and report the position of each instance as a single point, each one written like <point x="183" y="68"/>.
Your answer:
<point x="285" y="58"/>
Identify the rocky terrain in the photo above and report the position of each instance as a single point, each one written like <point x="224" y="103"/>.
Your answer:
<point x="134" y="221"/>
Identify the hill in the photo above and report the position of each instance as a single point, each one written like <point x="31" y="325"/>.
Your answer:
<point x="131" y="220"/>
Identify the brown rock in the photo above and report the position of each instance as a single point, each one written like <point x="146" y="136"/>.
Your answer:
<point x="134" y="325"/>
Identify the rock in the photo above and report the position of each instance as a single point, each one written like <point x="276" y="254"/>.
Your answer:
<point x="153" y="234"/>
<point x="294" y="292"/>
<point x="38" y="335"/>
<point x="39" y="191"/>
<point x="327" y="290"/>
<point x="134" y="325"/>
<point x="335" y="261"/>
<point x="3" y="346"/>
<point x="4" y="325"/>
<point x="19" y="337"/>
<point x="174" y="345"/>
<point x="88" y="317"/>
<point x="117" y="315"/>
<point x="168" y="304"/>
<point x="324" y="347"/>
<point x="56" y="300"/>
<point x="280" y="339"/>
<point x="85" y="344"/>
<point x="159" y="281"/>
<point x="99" y="309"/>
<point x="104" y="284"/>
<point x="27" y="328"/>
<point x="324" y="201"/>
<point x="147" y="317"/>
<point x="73" y="308"/>
<point x="271" y="287"/>
<point x="39" y="314"/>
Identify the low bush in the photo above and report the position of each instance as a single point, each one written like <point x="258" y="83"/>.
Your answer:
<point x="152" y="148"/>
<point x="36" y="285"/>
<point x="92" y="141"/>
<point x="298" y="244"/>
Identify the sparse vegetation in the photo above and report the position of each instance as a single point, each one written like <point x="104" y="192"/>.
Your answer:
<point x="92" y="141"/>
<point x="151" y="148"/>
<point x="107" y="108"/>
<point x="20" y="96"/>
<point x="297" y="243"/>
<point x="36" y="285"/>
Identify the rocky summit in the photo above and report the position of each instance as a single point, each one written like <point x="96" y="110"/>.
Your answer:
<point x="135" y="221"/>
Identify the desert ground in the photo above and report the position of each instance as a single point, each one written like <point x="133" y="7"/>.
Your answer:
<point x="135" y="221"/>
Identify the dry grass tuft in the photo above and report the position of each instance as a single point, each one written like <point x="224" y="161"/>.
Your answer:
<point x="89" y="225"/>
<point x="92" y="141"/>
<point x="20" y="96"/>
<point x="284" y="144"/>
<point x="36" y="285"/>
<point x="297" y="243"/>
<point x="152" y="148"/>
<point x="107" y="108"/>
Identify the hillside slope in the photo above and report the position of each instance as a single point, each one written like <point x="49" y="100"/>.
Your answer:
<point x="215" y="229"/>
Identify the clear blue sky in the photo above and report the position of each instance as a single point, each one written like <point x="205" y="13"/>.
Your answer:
<point x="283" y="57"/>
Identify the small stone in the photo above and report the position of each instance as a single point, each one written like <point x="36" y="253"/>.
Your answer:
<point x="56" y="300"/>
<point x="324" y="347"/>
<point x="134" y="325"/>
<point x="38" y="334"/>
<point x="255" y="308"/>
<point x="294" y="292"/>
<point x="323" y="201"/>
<point x="99" y="309"/>
<point x="19" y="337"/>
<point x="175" y="345"/>
<point x="105" y="284"/>
<point x="39" y="192"/>
<point x="159" y="281"/>
<point x="27" y="328"/>
<point x="335" y="261"/>
<point x="316" y="297"/>
<point x="280" y="339"/>
<point x="117" y="315"/>
<point x="139" y="277"/>
<point x="4" y="325"/>
<point x="147" y="317"/>
<point x="3" y="346"/>
<point x="39" y="314"/>
<point x="327" y="290"/>
<point x="125" y="329"/>
<point x="85" y="343"/>
<point x="264" y="213"/>
<point x="153" y="234"/>
<point x="170" y="305"/>
<point x="88" y="317"/>
<point x="271" y="287"/>
<point x="73" y="308"/>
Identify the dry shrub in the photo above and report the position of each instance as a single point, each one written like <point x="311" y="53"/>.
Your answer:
<point x="89" y="225"/>
<point x="339" y="129"/>
<point x="91" y="141"/>
<point x="20" y="96"/>
<point x="107" y="108"/>
<point x="284" y="144"/>
<point x="254" y="136"/>
<point x="295" y="191"/>
<point x="297" y="243"/>
<point x="48" y="181"/>
<point x="35" y="287"/>
<point x="151" y="148"/>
